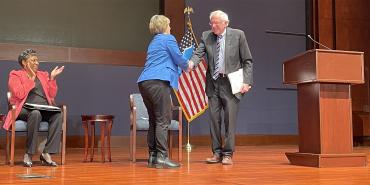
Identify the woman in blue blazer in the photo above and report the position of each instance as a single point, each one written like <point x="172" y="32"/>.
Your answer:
<point x="160" y="74"/>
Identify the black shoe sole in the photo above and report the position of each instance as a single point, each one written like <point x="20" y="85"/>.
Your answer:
<point x="45" y="163"/>
<point x="151" y="165"/>
<point x="27" y="165"/>
<point x="165" y="167"/>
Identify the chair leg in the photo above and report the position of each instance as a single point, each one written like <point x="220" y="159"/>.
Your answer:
<point x="180" y="145"/>
<point x="92" y="124"/>
<point x="12" y="148"/>
<point x="108" y="139"/>
<point x="63" y="153"/>
<point x="86" y="131"/>
<point x="130" y="147"/>
<point x="170" y="144"/>
<point x="64" y="136"/>
<point x="102" y="140"/>
<point x="6" y="147"/>
<point x="134" y="146"/>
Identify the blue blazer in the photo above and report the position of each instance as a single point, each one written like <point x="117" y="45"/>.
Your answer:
<point x="163" y="60"/>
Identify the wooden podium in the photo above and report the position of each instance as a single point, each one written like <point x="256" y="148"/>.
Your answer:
<point x="323" y="79"/>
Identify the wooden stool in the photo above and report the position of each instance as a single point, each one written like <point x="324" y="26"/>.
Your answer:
<point x="105" y="120"/>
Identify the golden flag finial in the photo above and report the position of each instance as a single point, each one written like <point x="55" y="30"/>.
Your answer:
<point x="188" y="10"/>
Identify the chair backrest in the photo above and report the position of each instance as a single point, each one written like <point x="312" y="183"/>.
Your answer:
<point x="141" y="111"/>
<point x="2" y="119"/>
<point x="142" y="117"/>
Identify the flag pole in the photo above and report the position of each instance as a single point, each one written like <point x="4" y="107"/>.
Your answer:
<point x="187" y="11"/>
<point x="188" y="146"/>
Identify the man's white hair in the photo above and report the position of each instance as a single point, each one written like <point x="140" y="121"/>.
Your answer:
<point x="220" y="14"/>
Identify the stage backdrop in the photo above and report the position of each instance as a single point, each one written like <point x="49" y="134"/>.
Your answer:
<point x="267" y="109"/>
<point x="91" y="88"/>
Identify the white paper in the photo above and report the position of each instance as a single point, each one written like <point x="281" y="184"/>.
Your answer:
<point x="236" y="80"/>
<point x="42" y="107"/>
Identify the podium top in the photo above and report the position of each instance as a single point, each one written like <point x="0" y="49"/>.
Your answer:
<point x="320" y="65"/>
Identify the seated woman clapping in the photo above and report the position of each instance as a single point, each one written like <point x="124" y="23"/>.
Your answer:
<point x="29" y="86"/>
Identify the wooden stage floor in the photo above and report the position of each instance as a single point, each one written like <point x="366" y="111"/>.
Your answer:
<point x="253" y="165"/>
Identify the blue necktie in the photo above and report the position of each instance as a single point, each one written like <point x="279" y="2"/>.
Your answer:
<point x="216" y="72"/>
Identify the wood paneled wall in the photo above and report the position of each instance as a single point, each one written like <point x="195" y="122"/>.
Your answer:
<point x="343" y="25"/>
<point x="10" y="52"/>
<point x="321" y="25"/>
<point x="174" y="9"/>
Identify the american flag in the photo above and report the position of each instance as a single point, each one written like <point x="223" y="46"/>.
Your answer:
<point x="191" y="92"/>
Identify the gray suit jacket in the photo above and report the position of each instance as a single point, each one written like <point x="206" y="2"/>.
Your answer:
<point x="237" y="55"/>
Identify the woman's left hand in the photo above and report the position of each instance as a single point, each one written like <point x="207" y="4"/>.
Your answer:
<point x="56" y="71"/>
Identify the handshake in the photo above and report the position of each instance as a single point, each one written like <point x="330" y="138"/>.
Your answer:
<point x="191" y="66"/>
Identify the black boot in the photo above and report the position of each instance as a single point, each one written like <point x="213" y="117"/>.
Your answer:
<point x="164" y="162"/>
<point x="152" y="161"/>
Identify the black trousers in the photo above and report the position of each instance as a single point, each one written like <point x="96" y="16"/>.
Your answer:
<point x="33" y="119"/>
<point x="157" y="100"/>
<point x="223" y="101"/>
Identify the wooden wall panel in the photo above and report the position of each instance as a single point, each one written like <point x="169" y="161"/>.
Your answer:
<point x="353" y="33"/>
<point x="326" y="32"/>
<point x="344" y="25"/>
<point x="351" y="22"/>
<point x="174" y="9"/>
<point x="10" y="52"/>
<point x="321" y="22"/>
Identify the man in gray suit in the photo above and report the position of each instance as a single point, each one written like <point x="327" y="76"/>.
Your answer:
<point x="226" y="51"/>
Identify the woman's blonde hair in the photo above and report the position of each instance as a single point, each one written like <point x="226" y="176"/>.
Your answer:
<point x="158" y="24"/>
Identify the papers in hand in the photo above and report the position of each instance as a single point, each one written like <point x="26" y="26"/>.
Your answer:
<point x="188" y="52"/>
<point x="41" y="107"/>
<point x="236" y="80"/>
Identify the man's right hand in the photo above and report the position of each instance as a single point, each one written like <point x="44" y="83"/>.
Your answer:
<point x="190" y="66"/>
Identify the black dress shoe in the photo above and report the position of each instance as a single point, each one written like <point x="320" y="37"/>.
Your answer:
<point x="165" y="162"/>
<point x="27" y="164"/>
<point x="27" y="160"/>
<point x="46" y="163"/>
<point x="152" y="161"/>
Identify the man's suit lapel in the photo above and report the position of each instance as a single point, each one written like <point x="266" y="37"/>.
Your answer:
<point x="214" y="51"/>
<point x="227" y="44"/>
<point x="227" y="47"/>
<point x="214" y="43"/>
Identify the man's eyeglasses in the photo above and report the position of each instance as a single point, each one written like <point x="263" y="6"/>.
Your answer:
<point x="215" y="23"/>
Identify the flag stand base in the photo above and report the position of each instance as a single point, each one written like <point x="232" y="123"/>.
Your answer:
<point x="188" y="147"/>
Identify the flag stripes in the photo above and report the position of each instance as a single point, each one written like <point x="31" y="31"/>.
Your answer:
<point x="191" y="93"/>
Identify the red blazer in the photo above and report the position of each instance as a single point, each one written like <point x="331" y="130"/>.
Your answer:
<point x="20" y="85"/>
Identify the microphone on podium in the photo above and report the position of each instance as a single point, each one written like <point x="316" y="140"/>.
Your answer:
<point x="326" y="47"/>
<point x="297" y="34"/>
